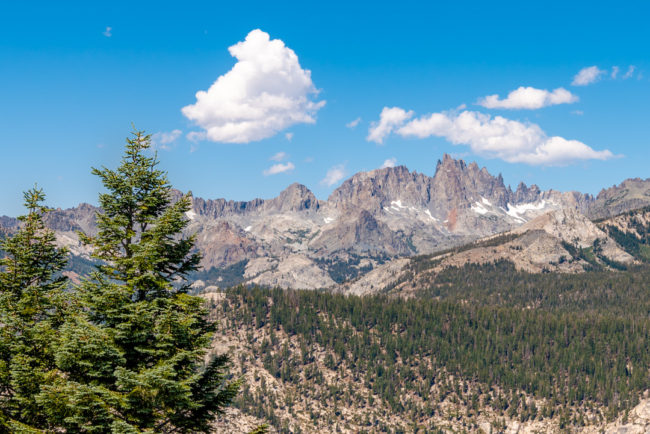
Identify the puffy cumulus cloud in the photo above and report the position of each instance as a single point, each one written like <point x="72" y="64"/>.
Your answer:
<point x="279" y="168"/>
<point x="498" y="137"/>
<point x="334" y="175"/>
<point x="529" y="98"/>
<point x="163" y="140"/>
<point x="354" y="123"/>
<point x="588" y="75"/>
<point x="389" y="119"/>
<point x="265" y="92"/>
<point x="279" y="156"/>
<point x="390" y="162"/>
<point x="558" y="151"/>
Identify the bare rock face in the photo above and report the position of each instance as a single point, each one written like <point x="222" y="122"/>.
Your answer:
<point x="574" y="228"/>
<point x="223" y="244"/>
<point x="628" y="195"/>
<point x="361" y="233"/>
<point x="8" y="225"/>
<point x="80" y="218"/>
<point x="543" y="244"/>
<point x="294" y="271"/>
<point x="455" y="185"/>
<point x="376" y="189"/>
<point x="376" y="280"/>
<point x="294" y="198"/>
<point x="535" y="251"/>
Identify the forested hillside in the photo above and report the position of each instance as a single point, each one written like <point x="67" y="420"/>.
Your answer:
<point x="482" y="345"/>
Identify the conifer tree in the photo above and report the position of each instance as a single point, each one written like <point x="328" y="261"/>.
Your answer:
<point x="33" y="306"/>
<point x="135" y="361"/>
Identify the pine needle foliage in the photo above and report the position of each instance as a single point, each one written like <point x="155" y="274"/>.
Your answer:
<point x="33" y="307"/>
<point x="134" y="362"/>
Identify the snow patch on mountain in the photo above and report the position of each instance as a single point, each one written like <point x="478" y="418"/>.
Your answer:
<point x="516" y="211"/>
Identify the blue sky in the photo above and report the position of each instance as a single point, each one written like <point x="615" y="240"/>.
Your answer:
<point x="73" y="77"/>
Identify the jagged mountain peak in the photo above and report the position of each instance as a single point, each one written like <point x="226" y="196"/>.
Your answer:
<point x="457" y="184"/>
<point x="448" y="161"/>
<point x="376" y="189"/>
<point x="295" y="197"/>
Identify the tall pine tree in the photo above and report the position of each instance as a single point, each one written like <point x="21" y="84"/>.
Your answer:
<point x="135" y="360"/>
<point x="33" y="306"/>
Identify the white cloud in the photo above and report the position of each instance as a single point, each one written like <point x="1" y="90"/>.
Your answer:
<point x="195" y="136"/>
<point x="279" y="168"/>
<point x="279" y="156"/>
<point x="529" y="98"/>
<point x="288" y="136"/>
<point x="108" y="32"/>
<point x="390" y="162"/>
<point x="162" y="140"/>
<point x="265" y="92"/>
<point x="498" y="137"/>
<point x="577" y="112"/>
<point x="588" y="75"/>
<point x="389" y="119"/>
<point x="615" y="70"/>
<point x="353" y="123"/>
<point x="630" y="72"/>
<point x="334" y="175"/>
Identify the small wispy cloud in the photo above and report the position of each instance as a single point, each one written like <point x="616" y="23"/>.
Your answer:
<point x="592" y="74"/>
<point x="354" y="123"/>
<point x="195" y="136"/>
<point x="163" y="140"/>
<point x="279" y="168"/>
<point x="108" y="32"/>
<point x="588" y="75"/>
<point x="280" y="156"/>
<point x="630" y="72"/>
<point x="390" y="162"/>
<point x="577" y="112"/>
<point x="289" y="136"/>
<point x="334" y="175"/>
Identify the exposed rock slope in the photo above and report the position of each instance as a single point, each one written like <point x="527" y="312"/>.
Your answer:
<point x="562" y="241"/>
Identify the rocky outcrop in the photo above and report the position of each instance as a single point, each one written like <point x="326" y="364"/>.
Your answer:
<point x="361" y="233"/>
<point x="628" y="195"/>
<point x="222" y="244"/>
<point x="294" y="271"/>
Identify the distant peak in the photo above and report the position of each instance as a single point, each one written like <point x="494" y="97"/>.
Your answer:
<point x="296" y="186"/>
<point x="296" y="197"/>
<point x="448" y="162"/>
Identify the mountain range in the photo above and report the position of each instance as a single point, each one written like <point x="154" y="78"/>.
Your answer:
<point x="376" y="219"/>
